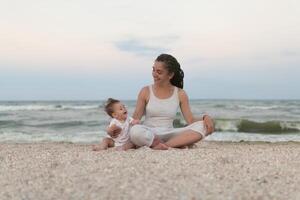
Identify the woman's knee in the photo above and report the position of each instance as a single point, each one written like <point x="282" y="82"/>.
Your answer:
<point x="141" y="136"/>
<point x="136" y="131"/>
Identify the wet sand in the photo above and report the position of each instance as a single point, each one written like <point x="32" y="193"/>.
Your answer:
<point x="210" y="170"/>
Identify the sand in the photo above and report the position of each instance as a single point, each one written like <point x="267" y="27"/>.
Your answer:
<point x="211" y="170"/>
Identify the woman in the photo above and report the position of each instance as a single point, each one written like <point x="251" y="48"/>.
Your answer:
<point x="159" y="102"/>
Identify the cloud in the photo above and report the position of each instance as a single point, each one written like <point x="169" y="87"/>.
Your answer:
<point x="147" y="47"/>
<point x="139" y="48"/>
<point x="289" y="52"/>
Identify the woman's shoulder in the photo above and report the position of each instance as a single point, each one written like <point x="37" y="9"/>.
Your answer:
<point x="144" y="92"/>
<point x="181" y="91"/>
<point x="182" y="94"/>
<point x="145" y="89"/>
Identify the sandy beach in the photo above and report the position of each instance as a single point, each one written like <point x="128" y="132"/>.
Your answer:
<point x="210" y="170"/>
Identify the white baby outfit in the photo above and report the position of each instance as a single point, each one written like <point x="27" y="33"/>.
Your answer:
<point x="123" y="137"/>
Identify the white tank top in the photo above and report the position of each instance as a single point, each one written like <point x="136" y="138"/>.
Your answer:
<point x="160" y="113"/>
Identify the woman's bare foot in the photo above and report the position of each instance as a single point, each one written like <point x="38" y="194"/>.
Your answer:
<point x="187" y="146"/>
<point x="160" y="146"/>
<point x="183" y="147"/>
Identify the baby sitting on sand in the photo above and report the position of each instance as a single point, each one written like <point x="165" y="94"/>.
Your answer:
<point x="117" y="111"/>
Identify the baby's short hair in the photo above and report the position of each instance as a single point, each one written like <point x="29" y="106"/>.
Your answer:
<point x="109" y="106"/>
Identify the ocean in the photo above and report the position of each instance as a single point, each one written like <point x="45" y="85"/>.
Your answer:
<point x="85" y="121"/>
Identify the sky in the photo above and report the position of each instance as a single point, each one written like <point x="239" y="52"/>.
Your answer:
<point x="92" y="50"/>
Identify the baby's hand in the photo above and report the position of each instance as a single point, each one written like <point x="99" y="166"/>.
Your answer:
<point x="135" y="121"/>
<point x="113" y="131"/>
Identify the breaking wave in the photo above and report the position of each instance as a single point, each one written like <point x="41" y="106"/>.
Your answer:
<point x="249" y="126"/>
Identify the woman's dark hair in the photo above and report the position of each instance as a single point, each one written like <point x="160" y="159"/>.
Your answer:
<point x="172" y="65"/>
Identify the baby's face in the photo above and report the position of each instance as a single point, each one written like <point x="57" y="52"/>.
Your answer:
<point x="120" y="111"/>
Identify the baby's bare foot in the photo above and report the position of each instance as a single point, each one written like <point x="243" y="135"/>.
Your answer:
<point x="120" y="148"/>
<point x="97" y="148"/>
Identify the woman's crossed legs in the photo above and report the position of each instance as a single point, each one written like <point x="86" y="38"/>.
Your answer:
<point x="142" y="135"/>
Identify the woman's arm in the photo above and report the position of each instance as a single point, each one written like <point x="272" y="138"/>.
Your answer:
<point x="185" y="107"/>
<point x="188" y="115"/>
<point x="141" y="103"/>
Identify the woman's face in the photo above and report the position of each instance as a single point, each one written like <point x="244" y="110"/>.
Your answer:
<point x="160" y="73"/>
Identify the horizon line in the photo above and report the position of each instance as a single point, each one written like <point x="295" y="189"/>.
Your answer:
<point x="191" y="99"/>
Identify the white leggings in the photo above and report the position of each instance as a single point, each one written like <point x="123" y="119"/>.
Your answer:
<point x="142" y="135"/>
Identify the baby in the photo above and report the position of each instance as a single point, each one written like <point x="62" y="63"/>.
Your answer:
<point x="117" y="111"/>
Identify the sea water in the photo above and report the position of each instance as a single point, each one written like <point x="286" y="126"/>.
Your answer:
<point x="85" y="121"/>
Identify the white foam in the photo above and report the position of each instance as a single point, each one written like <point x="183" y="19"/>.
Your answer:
<point x="257" y="107"/>
<point x="45" y="107"/>
<point x="20" y="137"/>
<point x="237" y="137"/>
<point x="27" y="107"/>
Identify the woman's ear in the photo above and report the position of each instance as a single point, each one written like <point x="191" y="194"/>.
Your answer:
<point x="171" y="75"/>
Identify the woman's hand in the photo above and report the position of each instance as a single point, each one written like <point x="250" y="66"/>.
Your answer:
<point x="209" y="124"/>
